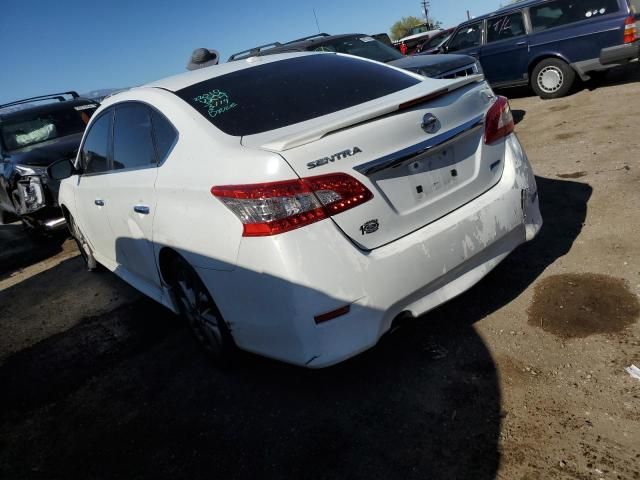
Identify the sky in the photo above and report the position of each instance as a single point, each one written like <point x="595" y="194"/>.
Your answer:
<point x="83" y="45"/>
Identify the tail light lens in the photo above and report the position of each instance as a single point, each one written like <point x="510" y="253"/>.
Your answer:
<point x="630" y="30"/>
<point x="277" y="207"/>
<point x="499" y="122"/>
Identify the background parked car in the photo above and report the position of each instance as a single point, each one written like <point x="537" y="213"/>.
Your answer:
<point x="547" y="43"/>
<point x="436" y="66"/>
<point x="414" y="37"/>
<point x="31" y="138"/>
<point x="435" y="44"/>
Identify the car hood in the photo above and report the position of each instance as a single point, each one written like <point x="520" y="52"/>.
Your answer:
<point x="433" y="65"/>
<point x="44" y="154"/>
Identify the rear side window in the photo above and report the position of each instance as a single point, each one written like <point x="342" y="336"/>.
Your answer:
<point x="467" y="37"/>
<point x="132" y="140"/>
<point x="165" y="134"/>
<point x="95" y="151"/>
<point x="507" y="26"/>
<point x="563" y="12"/>
<point x="286" y="92"/>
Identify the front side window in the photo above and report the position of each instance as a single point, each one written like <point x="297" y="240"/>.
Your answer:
<point x="507" y="26"/>
<point x="132" y="138"/>
<point x="285" y="92"/>
<point x="563" y="12"/>
<point x="467" y="37"/>
<point x="95" y="150"/>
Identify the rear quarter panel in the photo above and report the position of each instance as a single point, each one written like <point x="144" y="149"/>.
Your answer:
<point x="189" y="218"/>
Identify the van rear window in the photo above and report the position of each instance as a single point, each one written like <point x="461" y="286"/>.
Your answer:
<point x="286" y="92"/>
<point x="564" y="12"/>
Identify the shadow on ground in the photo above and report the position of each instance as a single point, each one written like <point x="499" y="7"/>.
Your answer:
<point x="616" y="76"/>
<point x="130" y="395"/>
<point x="19" y="249"/>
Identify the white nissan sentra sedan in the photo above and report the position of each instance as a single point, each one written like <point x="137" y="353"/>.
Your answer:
<point x="295" y="205"/>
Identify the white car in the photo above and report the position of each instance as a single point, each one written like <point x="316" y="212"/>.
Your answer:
<point x="294" y="205"/>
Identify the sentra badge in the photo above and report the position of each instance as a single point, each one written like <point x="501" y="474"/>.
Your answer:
<point x="334" y="157"/>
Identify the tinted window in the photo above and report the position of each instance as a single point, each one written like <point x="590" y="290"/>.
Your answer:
<point x="366" y="47"/>
<point x="508" y="26"/>
<point x="96" y="146"/>
<point x="28" y="129"/>
<point x="467" y="37"/>
<point x="165" y="134"/>
<point x="563" y="12"/>
<point x="132" y="140"/>
<point x="285" y="92"/>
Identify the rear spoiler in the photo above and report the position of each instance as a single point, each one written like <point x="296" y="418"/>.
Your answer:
<point x="52" y="96"/>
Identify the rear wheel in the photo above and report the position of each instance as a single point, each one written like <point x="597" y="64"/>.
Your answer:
<point x="200" y="311"/>
<point x="552" y="78"/>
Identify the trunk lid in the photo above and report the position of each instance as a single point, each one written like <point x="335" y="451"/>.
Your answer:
<point x="417" y="175"/>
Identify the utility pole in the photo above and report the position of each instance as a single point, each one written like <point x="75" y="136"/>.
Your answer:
<point x="425" y="7"/>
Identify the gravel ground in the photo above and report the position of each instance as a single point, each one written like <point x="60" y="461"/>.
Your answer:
<point x="520" y="378"/>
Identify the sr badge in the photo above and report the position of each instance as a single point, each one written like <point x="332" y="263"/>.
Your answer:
<point x="370" y="227"/>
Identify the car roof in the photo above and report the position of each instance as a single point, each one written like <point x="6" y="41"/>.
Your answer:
<point x="25" y="112"/>
<point x="514" y="6"/>
<point x="184" y="80"/>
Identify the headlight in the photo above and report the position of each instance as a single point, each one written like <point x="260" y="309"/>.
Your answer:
<point x="30" y="195"/>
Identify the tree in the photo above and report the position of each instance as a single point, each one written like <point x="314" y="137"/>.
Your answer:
<point x="402" y="26"/>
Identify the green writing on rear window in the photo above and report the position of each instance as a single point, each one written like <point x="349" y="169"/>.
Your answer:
<point x="216" y="101"/>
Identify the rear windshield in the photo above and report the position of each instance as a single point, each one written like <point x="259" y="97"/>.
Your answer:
<point x="366" y="47"/>
<point x="28" y="130"/>
<point x="286" y="92"/>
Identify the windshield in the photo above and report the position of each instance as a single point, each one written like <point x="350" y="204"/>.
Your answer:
<point x="31" y="130"/>
<point x="416" y="30"/>
<point x="366" y="47"/>
<point x="285" y="92"/>
<point x="436" y="41"/>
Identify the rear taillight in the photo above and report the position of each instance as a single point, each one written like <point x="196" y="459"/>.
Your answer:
<point x="273" y="208"/>
<point x="630" y="30"/>
<point x="499" y="122"/>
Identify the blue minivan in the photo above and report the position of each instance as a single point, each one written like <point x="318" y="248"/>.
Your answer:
<point x="547" y="43"/>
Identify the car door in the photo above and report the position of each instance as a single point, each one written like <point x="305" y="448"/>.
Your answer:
<point x="132" y="187"/>
<point x="92" y="189"/>
<point x="505" y="56"/>
<point x="467" y="39"/>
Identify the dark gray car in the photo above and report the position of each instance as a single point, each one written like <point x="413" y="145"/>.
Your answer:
<point x="361" y="45"/>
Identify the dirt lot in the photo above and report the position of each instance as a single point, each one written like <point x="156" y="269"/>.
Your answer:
<point x="520" y="378"/>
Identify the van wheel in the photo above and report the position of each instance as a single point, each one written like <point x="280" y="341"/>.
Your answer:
<point x="83" y="245"/>
<point x="552" y="78"/>
<point x="200" y="311"/>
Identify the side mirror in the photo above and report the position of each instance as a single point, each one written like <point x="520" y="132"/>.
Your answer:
<point x="61" y="169"/>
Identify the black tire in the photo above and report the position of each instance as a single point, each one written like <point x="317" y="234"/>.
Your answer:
<point x="552" y="78"/>
<point x="85" y="249"/>
<point x="200" y="311"/>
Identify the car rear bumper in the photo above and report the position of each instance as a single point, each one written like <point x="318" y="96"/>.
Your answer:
<point x="283" y="282"/>
<point x="620" y="53"/>
<point x="609" y="57"/>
